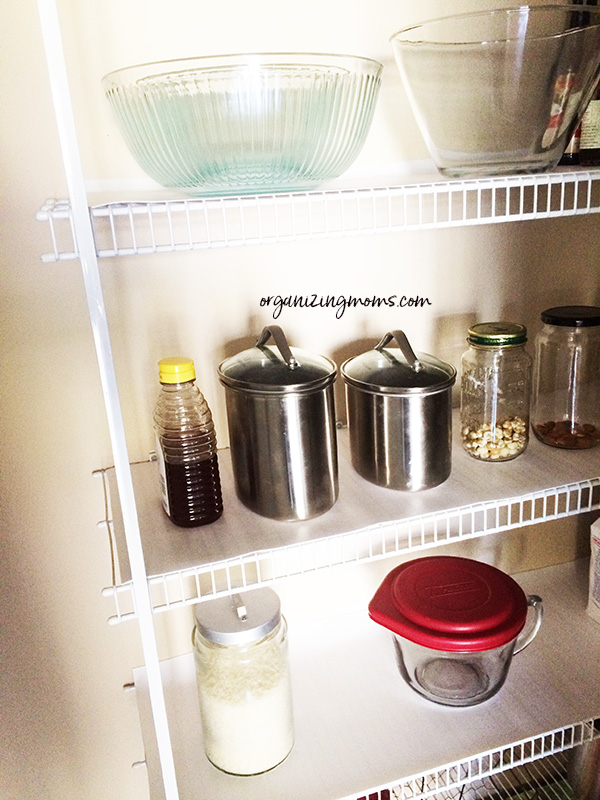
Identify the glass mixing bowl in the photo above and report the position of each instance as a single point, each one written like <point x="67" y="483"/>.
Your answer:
<point x="241" y="124"/>
<point x="500" y="91"/>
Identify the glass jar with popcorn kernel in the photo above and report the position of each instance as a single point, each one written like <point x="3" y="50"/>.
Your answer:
<point x="495" y="391"/>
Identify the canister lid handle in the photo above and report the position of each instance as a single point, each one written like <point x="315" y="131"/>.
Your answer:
<point x="279" y="336"/>
<point x="404" y="346"/>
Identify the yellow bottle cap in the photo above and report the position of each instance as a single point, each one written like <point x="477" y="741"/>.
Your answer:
<point x="177" y="369"/>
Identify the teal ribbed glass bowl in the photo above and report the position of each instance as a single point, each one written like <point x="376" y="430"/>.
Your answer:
<point x="245" y="124"/>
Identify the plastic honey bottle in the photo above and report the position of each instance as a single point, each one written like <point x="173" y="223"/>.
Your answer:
<point x="186" y="447"/>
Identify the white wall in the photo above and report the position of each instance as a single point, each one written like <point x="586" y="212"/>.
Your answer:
<point x="69" y="731"/>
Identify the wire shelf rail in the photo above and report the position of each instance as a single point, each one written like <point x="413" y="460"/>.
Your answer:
<point x="535" y="768"/>
<point x="197" y="583"/>
<point x="187" y="224"/>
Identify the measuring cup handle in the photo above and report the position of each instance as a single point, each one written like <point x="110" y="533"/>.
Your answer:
<point x="528" y="633"/>
<point x="281" y="342"/>
<point x="404" y="346"/>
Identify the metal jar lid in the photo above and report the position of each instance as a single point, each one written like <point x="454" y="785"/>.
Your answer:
<point x="278" y="369"/>
<point x="450" y="603"/>
<point x="497" y="334"/>
<point x="397" y="371"/>
<point x="239" y="619"/>
<point x="572" y="316"/>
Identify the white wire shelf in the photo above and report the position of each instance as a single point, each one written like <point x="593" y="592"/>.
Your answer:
<point x="243" y="550"/>
<point x="363" y="734"/>
<point x="185" y="224"/>
<point x="543" y="779"/>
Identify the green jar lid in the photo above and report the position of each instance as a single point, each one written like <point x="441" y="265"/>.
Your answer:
<point x="497" y="334"/>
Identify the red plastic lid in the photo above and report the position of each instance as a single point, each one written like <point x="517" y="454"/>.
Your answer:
<point x="449" y="603"/>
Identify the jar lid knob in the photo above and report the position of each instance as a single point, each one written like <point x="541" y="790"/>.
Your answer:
<point x="240" y="607"/>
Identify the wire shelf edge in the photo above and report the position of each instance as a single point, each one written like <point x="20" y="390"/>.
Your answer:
<point x="184" y="224"/>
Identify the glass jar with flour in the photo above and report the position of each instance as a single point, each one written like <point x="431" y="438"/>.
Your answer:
<point x="243" y="677"/>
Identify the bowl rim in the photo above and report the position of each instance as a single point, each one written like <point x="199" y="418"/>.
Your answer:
<point x="492" y="12"/>
<point x="224" y="58"/>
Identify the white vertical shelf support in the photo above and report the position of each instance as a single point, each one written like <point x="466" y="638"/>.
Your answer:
<point x="85" y="246"/>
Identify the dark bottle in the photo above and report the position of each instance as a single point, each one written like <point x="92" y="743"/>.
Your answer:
<point x="186" y="446"/>
<point x="589" y="145"/>
<point x="578" y="149"/>
<point x="589" y="142"/>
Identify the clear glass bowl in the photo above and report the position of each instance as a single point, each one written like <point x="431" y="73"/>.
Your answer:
<point x="241" y="124"/>
<point x="462" y="679"/>
<point x="456" y="624"/>
<point x="500" y="91"/>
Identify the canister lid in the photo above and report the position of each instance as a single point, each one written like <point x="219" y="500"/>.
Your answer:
<point x="450" y="603"/>
<point x="238" y="619"/>
<point x="278" y="368"/>
<point x="497" y="334"/>
<point x="397" y="370"/>
<point x="572" y="316"/>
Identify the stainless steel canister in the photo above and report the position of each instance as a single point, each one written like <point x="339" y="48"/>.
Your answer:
<point x="399" y="415"/>
<point x="281" y="418"/>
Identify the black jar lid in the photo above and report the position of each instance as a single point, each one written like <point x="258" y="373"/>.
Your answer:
<point x="572" y="316"/>
<point x="497" y="334"/>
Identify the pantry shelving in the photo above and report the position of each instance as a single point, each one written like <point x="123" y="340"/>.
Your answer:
<point x="243" y="550"/>
<point x="344" y="750"/>
<point x="170" y="225"/>
<point x="362" y="732"/>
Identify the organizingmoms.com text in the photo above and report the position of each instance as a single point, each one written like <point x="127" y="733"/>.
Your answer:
<point x="340" y="303"/>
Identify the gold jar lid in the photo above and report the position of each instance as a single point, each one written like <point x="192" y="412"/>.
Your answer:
<point x="497" y="334"/>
